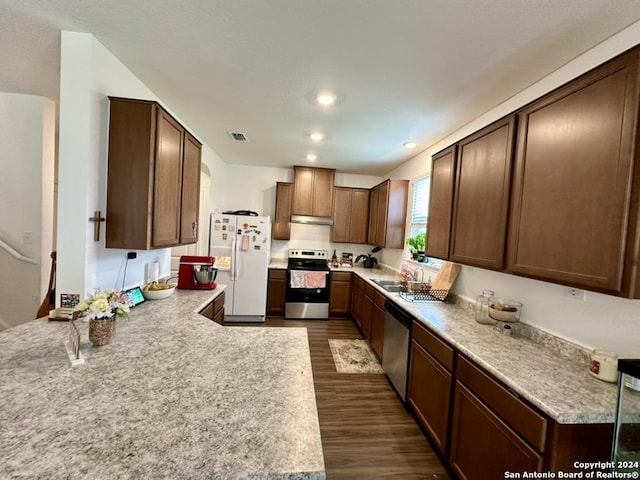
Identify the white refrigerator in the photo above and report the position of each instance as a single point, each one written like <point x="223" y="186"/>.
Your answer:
<point x="241" y="246"/>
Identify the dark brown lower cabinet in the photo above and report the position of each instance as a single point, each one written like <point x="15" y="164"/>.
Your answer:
<point x="215" y="310"/>
<point x="483" y="447"/>
<point x="377" y="324"/>
<point x="340" y="294"/>
<point x="276" y="291"/>
<point x="218" y="309"/>
<point x="367" y="310"/>
<point x="430" y="393"/>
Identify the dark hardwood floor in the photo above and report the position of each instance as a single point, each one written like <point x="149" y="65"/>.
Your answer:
<point x="366" y="432"/>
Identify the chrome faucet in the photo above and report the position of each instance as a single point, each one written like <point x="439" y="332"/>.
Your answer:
<point x="413" y="274"/>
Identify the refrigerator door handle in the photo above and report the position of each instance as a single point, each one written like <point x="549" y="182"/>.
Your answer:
<point x="232" y="269"/>
<point x="236" y="254"/>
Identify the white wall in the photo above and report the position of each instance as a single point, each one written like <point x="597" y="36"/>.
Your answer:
<point x="242" y="187"/>
<point x="600" y="321"/>
<point x="88" y="74"/>
<point x="27" y="138"/>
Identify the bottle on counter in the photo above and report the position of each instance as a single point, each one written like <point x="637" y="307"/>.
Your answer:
<point x="482" y="308"/>
<point x="334" y="259"/>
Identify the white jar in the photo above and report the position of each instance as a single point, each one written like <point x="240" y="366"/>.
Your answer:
<point x="604" y="365"/>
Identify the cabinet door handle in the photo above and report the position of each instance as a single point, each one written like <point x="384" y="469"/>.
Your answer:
<point x="513" y="392"/>
<point x="194" y="227"/>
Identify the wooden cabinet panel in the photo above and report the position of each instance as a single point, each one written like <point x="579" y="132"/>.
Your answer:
<point x="572" y="183"/>
<point x="429" y="393"/>
<point x="377" y="329"/>
<point x="207" y="311"/>
<point x="441" y="203"/>
<point x="373" y="216"/>
<point x="483" y="447"/>
<point x="387" y="214"/>
<point x="303" y="191"/>
<point x="440" y="350"/>
<point x="153" y="178"/>
<point x="282" y="217"/>
<point x="381" y="221"/>
<point x="530" y="424"/>
<point x="340" y="294"/>
<point x="350" y="215"/>
<point x="323" y="192"/>
<point x="340" y="230"/>
<point x="367" y="315"/>
<point x="312" y="191"/>
<point x="359" y="216"/>
<point x="276" y="291"/>
<point x="190" y="190"/>
<point x="218" y="309"/>
<point x="167" y="182"/>
<point x="481" y="198"/>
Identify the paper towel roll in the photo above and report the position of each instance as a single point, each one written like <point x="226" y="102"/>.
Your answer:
<point x="153" y="271"/>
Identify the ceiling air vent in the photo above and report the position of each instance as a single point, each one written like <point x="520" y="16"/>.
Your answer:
<point x="240" y="137"/>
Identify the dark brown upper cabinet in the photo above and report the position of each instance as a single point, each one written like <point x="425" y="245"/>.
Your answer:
<point x="153" y="179"/>
<point x="387" y="213"/>
<point x="575" y="191"/>
<point x="350" y="215"/>
<point x="441" y="203"/>
<point x="282" y="217"/>
<point x="481" y="196"/>
<point x="312" y="191"/>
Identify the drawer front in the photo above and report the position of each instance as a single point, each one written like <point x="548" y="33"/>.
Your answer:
<point x="277" y="274"/>
<point x="432" y="344"/>
<point x="379" y="299"/>
<point x="341" y="276"/>
<point x="368" y="290"/>
<point x="504" y="402"/>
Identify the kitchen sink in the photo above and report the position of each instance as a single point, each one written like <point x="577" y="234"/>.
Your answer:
<point x="388" y="285"/>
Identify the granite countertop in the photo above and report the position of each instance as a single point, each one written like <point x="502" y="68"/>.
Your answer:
<point x="549" y="372"/>
<point x="175" y="395"/>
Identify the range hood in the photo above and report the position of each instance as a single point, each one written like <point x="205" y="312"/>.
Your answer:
<point x="309" y="220"/>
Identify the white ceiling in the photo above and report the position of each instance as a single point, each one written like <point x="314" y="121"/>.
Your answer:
<point x="403" y="69"/>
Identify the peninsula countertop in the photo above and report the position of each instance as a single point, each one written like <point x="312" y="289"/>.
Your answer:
<point x="175" y="395"/>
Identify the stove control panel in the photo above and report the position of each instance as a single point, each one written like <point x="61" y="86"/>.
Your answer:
<point x="310" y="254"/>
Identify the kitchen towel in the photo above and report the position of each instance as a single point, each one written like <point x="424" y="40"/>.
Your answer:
<point x="297" y="279"/>
<point x="315" y="279"/>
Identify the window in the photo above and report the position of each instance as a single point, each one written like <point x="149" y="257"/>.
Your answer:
<point x="419" y="206"/>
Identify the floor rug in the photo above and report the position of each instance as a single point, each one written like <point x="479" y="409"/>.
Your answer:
<point x="354" y="356"/>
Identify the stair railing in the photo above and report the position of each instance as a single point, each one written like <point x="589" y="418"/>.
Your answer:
<point x="15" y="254"/>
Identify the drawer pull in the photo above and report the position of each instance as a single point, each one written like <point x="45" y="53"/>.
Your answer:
<point x="513" y="392"/>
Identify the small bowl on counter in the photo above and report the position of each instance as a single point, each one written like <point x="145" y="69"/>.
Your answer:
<point x="158" y="291"/>
<point x="504" y="310"/>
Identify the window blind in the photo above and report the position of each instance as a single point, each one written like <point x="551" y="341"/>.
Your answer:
<point x="420" y="203"/>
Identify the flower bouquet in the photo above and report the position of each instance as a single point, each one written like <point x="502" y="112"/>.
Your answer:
<point x="101" y="310"/>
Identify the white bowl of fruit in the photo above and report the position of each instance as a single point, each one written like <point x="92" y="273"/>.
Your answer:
<point x="158" y="291"/>
<point x="504" y="310"/>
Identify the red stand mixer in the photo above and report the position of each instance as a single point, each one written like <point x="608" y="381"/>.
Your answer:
<point x="197" y="273"/>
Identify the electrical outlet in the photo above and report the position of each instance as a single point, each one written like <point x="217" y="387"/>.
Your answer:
<point x="132" y="255"/>
<point x="574" y="293"/>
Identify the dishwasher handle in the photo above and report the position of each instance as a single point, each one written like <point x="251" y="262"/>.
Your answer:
<point x="398" y="314"/>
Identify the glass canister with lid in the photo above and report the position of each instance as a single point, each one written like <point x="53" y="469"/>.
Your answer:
<point x="482" y="308"/>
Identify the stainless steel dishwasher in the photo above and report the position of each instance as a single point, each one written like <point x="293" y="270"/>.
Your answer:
<point x="395" y="356"/>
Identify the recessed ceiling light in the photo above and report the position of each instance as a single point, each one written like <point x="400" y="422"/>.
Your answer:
<point x="312" y="157"/>
<point x="326" y="98"/>
<point x="316" y="136"/>
<point x="410" y="145"/>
